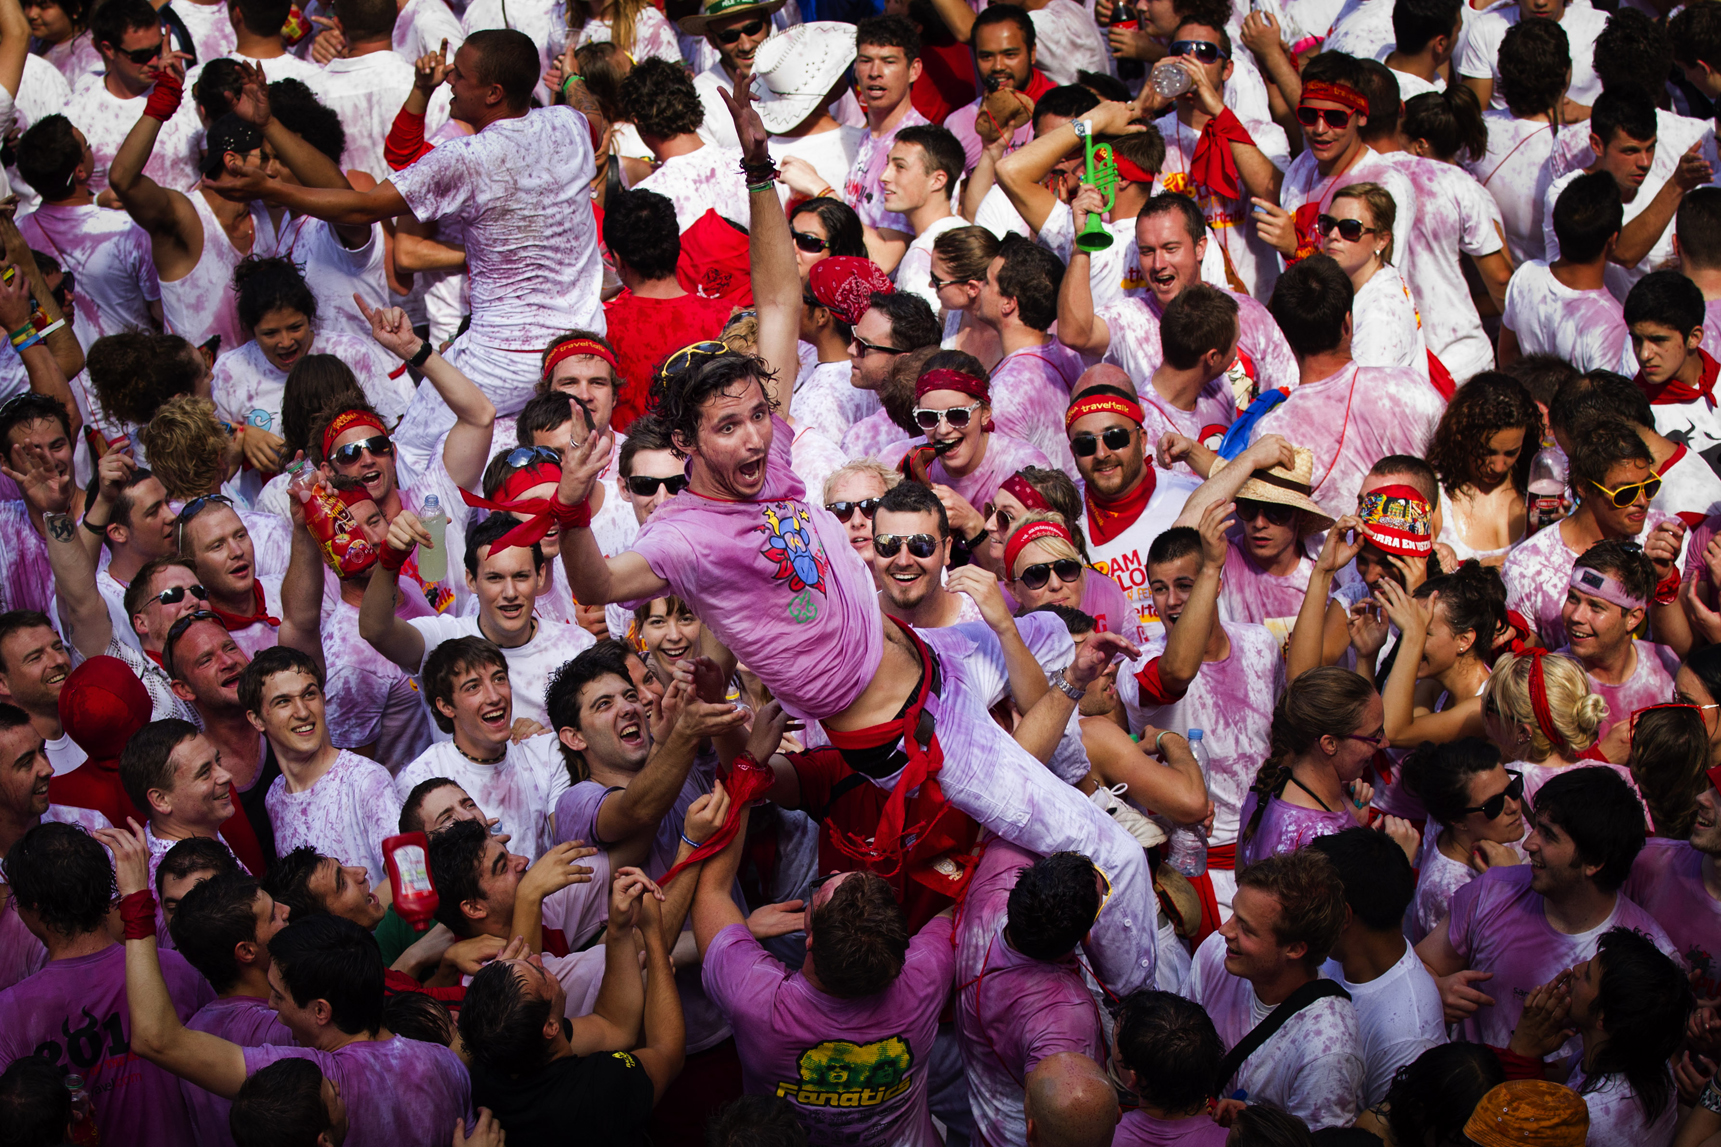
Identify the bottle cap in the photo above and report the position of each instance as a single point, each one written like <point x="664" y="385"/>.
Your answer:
<point x="431" y="503"/>
<point x="74" y="1082"/>
<point x="1195" y="735"/>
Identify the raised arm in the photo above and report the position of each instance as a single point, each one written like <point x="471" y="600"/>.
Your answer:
<point x="1042" y="727"/>
<point x="14" y="45"/>
<point x="150" y="205"/>
<point x="557" y="869"/>
<point x="1641" y="233"/>
<point x="1078" y="327"/>
<point x="1259" y="174"/>
<point x="466" y="449"/>
<point x="713" y="907"/>
<point x="592" y="578"/>
<point x="1027" y="676"/>
<point x="1181" y="661"/>
<point x="302" y="591"/>
<point x="665" y="1047"/>
<point x="1307" y="645"/>
<point x="1405" y="727"/>
<point x="241" y="184"/>
<point x="157" y="1035"/>
<point x="82" y="610"/>
<point x="776" y="275"/>
<point x="387" y="633"/>
<point x="616" y="1014"/>
<point x="45" y="359"/>
<point x="1265" y="452"/>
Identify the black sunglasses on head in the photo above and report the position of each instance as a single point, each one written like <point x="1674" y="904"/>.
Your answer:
<point x="380" y="446"/>
<point x="1036" y="575"/>
<point x="644" y="485"/>
<point x="1496" y="804"/>
<point x="1114" y="437"/>
<point x="919" y="545"/>
<point x="731" y="35"/>
<point x="846" y="510"/>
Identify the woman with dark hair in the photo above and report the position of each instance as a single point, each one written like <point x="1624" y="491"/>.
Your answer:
<point x="1326" y="729"/>
<point x="1432" y="1096"/>
<point x="1629" y="1002"/>
<point x="1032" y="489"/>
<point x="822" y="228"/>
<point x="1482" y="451"/>
<point x="279" y="312"/>
<point x="1446" y="634"/>
<point x="1479" y="808"/>
<point x="60" y="34"/>
<point x="960" y="260"/>
<point x="1670" y="761"/>
<point x="1698" y="683"/>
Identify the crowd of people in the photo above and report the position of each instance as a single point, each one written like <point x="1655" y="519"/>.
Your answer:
<point x="775" y="573"/>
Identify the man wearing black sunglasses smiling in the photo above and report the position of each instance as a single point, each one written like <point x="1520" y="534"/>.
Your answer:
<point x="734" y="29"/>
<point x="130" y="41"/>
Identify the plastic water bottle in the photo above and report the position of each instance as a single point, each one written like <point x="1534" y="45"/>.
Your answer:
<point x="1549" y="502"/>
<point x="85" y="1133"/>
<point x="1186" y="850"/>
<point x="1169" y="80"/>
<point x="433" y="562"/>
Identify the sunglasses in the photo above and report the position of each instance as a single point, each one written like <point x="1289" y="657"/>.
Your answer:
<point x="523" y="456"/>
<point x="1004" y="519"/>
<point x="174" y="594"/>
<point x="1372" y="742"/>
<point x="867" y="348"/>
<point x="1114" y="437"/>
<point x="199" y="504"/>
<point x="644" y="485"/>
<point x="919" y="545"/>
<point x="380" y="446"/>
<point x="683" y="358"/>
<point x="956" y="417"/>
<point x="811" y="244"/>
<point x="1496" y="804"/>
<point x="1067" y="570"/>
<point x="939" y="284"/>
<point x="1337" y="118"/>
<point x="1204" y="50"/>
<point x="734" y="34"/>
<point x="846" y="510"/>
<point x="177" y="631"/>
<point x="140" y="56"/>
<point x="1628" y="495"/>
<point x="1276" y="513"/>
<point x="1350" y="230"/>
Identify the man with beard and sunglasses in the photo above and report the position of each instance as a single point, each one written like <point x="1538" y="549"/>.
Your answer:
<point x="734" y="30"/>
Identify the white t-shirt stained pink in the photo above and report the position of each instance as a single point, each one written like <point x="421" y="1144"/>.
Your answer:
<point x="346" y="814"/>
<point x="521" y="789"/>
<point x="369" y="699"/>
<point x="110" y="257"/>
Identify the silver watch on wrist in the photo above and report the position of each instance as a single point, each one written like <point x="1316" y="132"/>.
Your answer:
<point x="1058" y="681"/>
<point x="1082" y="128"/>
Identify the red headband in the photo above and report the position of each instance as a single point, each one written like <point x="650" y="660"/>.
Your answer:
<point x="945" y="379"/>
<point x="577" y="347"/>
<point x="1342" y="94"/>
<point x="1032" y="532"/>
<point x="508" y="500"/>
<point x="351" y="498"/>
<point x="1103" y="404"/>
<point x="1539" y="700"/>
<point x="1024" y="492"/>
<point x="345" y="421"/>
<point x="1131" y="170"/>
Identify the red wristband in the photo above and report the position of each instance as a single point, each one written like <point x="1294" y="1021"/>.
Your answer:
<point x="392" y="559"/>
<point x="165" y="97"/>
<point x="1667" y="590"/>
<point x="137" y="913"/>
<point x="571" y="517"/>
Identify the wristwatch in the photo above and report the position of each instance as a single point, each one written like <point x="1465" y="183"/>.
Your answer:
<point x="1058" y="681"/>
<point x="1082" y="128"/>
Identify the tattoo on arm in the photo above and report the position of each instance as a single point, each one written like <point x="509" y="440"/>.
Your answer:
<point x="59" y="526"/>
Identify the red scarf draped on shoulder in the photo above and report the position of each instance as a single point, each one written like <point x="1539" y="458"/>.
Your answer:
<point x="1106" y="520"/>
<point x="259" y="611"/>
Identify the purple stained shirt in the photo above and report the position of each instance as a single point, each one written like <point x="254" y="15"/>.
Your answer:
<point x="1249" y="593"/>
<point x="1286" y="827"/>
<point x="1139" y="1129"/>
<point x="1351" y="420"/>
<point x="346" y="814"/>
<point x="1004" y="456"/>
<point x="1498" y="925"/>
<point x="26" y="580"/>
<point x="1439" y="878"/>
<point x="1136" y="346"/>
<point x="1651" y="683"/>
<point x="399" y="1092"/>
<point x="1011" y="1011"/>
<point x="778" y="582"/>
<point x="1214" y="411"/>
<point x="876" y="436"/>
<point x="1666" y="881"/>
<point x="110" y="257"/>
<point x="1617" y="1115"/>
<point x="21" y="954"/>
<point x="854" y="1070"/>
<point x="1030" y="392"/>
<point x="73" y="1013"/>
<point x="1538" y="572"/>
<point x="246" y="1021"/>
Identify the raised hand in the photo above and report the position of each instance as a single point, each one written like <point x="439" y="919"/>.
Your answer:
<point x="582" y="462"/>
<point x="131" y="856"/>
<point x="1344" y="542"/>
<point x="38" y="480"/>
<point x="770" y="920"/>
<point x="1275" y="226"/>
<point x="15" y="305"/>
<point x="113" y="471"/>
<point x="1215" y="520"/>
<point x="1544" y="1023"/>
<point x="1409" y="614"/>
<point x="707" y="814"/>
<point x="1094" y="656"/>
<point x="1088" y="200"/>
<point x="626" y="890"/>
<point x="330" y="44"/>
<point x="749" y="129"/>
<point x="769" y="725"/>
<point x="431" y="69"/>
<point x="251" y="102"/>
<point x="557" y="869"/>
<point x="390" y="327"/>
<point x="406" y="531"/>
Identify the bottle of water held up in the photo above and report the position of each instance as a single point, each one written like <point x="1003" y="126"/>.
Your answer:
<point x="433" y="561"/>
<point x="85" y="1133"/>
<point x="1186" y="851"/>
<point x="1549" y="500"/>
<point x="1169" y="80"/>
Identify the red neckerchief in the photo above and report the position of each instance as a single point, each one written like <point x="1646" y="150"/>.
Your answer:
<point x="1038" y="85"/>
<point x="1106" y="521"/>
<point x="155" y="657"/>
<point x="238" y="621"/>
<point x="1212" y="165"/>
<point x="1673" y="391"/>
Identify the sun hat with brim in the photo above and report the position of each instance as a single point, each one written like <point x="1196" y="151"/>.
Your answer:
<point x="1529" y="1113"/>
<point x="797" y="69"/>
<point x="1286" y="487"/>
<point x="696" y="24"/>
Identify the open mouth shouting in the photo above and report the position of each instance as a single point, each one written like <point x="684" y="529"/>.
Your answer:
<point x="631" y="732"/>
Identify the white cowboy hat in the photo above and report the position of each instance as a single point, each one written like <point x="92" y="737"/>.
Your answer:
<point x="798" y="68"/>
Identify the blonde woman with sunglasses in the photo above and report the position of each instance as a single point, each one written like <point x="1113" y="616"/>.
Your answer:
<point x="1356" y="230"/>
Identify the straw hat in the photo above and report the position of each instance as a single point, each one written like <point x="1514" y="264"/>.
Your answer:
<point x="797" y="70"/>
<point x="695" y="24"/>
<point x="1285" y="487"/>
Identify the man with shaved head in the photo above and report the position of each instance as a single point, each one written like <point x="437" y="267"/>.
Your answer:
<point x="1070" y="1103"/>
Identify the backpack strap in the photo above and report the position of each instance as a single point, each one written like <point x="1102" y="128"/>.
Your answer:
<point x="1309" y="993"/>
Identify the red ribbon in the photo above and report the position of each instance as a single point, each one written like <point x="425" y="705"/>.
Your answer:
<point x="546" y="512"/>
<point x="945" y="379"/>
<point x="1539" y="700"/>
<point x="235" y="621"/>
<point x="165" y="97"/>
<point x="1213" y="166"/>
<point x="574" y="347"/>
<point x="1032" y="532"/>
<point x="747" y="781"/>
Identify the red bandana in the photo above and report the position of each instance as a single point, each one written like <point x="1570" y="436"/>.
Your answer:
<point x="960" y="381"/>
<point x="1673" y="391"/>
<point x="1539" y="700"/>
<point x="1106" y="520"/>
<point x="508" y="500"/>
<point x="1023" y="491"/>
<point x="259" y="612"/>
<point x="1342" y="94"/>
<point x="1032" y="532"/>
<point x="1213" y="166"/>
<point x="1103" y="404"/>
